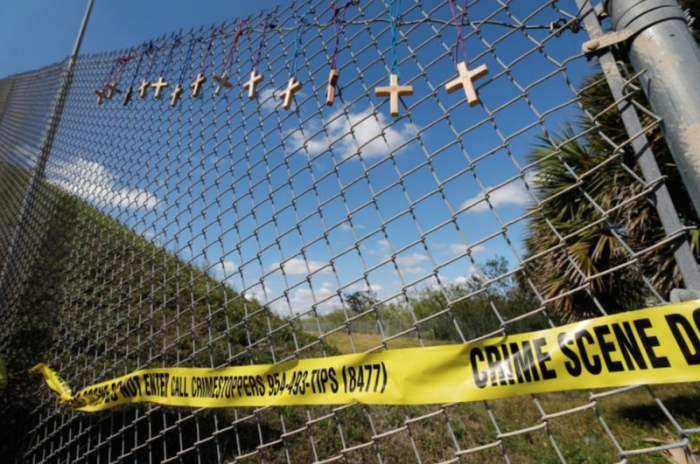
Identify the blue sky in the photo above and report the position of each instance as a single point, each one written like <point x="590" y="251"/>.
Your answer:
<point x="224" y="184"/>
<point x="35" y="33"/>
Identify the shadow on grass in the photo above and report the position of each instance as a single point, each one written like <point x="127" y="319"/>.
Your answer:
<point x="684" y="406"/>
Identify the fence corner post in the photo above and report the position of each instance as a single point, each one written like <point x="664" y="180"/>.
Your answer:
<point x="664" y="47"/>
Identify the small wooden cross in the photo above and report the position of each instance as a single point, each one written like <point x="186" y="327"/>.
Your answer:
<point x="100" y="96"/>
<point x="288" y="95"/>
<point x="143" y="88"/>
<point x="222" y="80"/>
<point x="175" y="95"/>
<point x="466" y="80"/>
<point x="159" y="87"/>
<point x="394" y="92"/>
<point x="252" y="84"/>
<point x="332" y="83"/>
<point x="196" y="85"/>
<point x="127" y="95"/>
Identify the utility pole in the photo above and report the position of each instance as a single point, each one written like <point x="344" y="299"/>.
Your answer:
<point x="661" y="196"/>
<point x="662" y="45"/>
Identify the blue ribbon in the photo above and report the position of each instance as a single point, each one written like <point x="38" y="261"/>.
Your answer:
<point x="300" y="20"/>
<point x="138" y="65"/>
<point x="394" y="7"/>
<point x="188" y="56"/>
<point x="166" y="65"/>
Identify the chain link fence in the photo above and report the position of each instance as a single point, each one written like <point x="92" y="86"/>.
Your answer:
<point x="228" y="231"/>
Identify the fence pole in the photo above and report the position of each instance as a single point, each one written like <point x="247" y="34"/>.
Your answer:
<point x="645" y="157"/>
<point x="12" y="268"/>
<point x="664" y="47"/>
<point x="62" y="95"/>
<point x="49" y="137"/>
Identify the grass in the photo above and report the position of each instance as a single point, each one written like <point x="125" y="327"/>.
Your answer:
<point x="344" y="342"/>
<point x="633" y="417"/>
<point x="121" y="273"/>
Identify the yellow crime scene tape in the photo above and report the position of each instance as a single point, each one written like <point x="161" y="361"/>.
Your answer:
<point x="650" y="346"/>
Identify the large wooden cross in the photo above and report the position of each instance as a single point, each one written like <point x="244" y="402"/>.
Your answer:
<point x="288" y="95"/>
<point x="196" y="85"/>
<point x="223" y="82"/>
<point x="332" y="83"/>
<point x="252" y="84"/>
<point x="466" y="81"/>
<point x="394" y="92"/>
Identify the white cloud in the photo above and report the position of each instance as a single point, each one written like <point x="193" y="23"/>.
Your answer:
<point x="261" y="293"/>
<point x="473" y="276"/>
<point x="369" y="251"/>
<point x="410" y="264"/>
<point x="94" y="183"/>
<point x="268" y="98"/>
<point x="302" y="300"/>
<point x="513" y="193"/>
<point x="227" y="267"/>
<point x="384" y="243"/>
<point x="346" y="227"/>
<point x="461" y="280"/>
<point x="458" y="249"/>
<point x="363" y="287"/>
<point x="414" y="270"/>
<point x="362" y="131"/>
<point x="412" y="259"/>
<point x="133" y="198"/>
<point x="299" y="266"/>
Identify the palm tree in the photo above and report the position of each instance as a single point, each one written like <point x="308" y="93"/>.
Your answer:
<point x="693" y="8"/>
<point x="582" y="153"/>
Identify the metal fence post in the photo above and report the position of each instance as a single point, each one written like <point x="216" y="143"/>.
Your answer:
<point x="664" y="47"/>
<point x="645" y="156"/>
<point x="13" y="264"/>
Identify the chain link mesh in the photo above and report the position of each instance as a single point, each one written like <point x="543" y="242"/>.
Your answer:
<point x="228" y="231"/>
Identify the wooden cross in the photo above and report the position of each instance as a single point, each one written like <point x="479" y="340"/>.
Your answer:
<point x="159" y="87"/>
<point x="332" y="83"/>
<point x="100" y="96"/>
<point x="197" y="84"/>
<point x="394" y="92"/>
<point x="252" y="84"/>
<point x="175" y="95"/>
<point x="222" y="80"/>
<point x="288" y="95"/>
<point x="143" y="88"/>
<point x="111" y="90"/>
<point x="466" y="80"/>
<point x="127" y="95"/>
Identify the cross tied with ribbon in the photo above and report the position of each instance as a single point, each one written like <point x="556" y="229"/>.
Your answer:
<point x="183" y="49"/>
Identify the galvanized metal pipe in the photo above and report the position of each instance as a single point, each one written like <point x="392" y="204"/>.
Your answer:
<point x="13" y="268"/>
<point x="664" y="47"/>
<point x="645" y="156"/>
